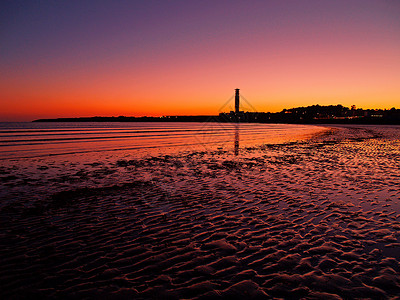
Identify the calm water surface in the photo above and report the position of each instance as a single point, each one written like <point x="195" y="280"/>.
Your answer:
<point x="24" y="140"/>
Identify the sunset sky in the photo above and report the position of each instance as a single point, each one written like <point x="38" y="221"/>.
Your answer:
<point x="135" y="58"/>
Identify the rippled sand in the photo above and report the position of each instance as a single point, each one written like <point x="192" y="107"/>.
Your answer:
<point x="315" y="219"/>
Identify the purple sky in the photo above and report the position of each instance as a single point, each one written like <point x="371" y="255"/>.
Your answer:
<point x="50" y="48"/>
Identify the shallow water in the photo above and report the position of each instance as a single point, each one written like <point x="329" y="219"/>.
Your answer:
<point x="19" y="140"/>
<point x="317" y="218"/>
<point x="38" y="159"/>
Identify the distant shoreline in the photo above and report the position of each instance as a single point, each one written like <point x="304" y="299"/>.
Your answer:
<point x="223" y="119"/>
<point x="315" y="114"/>
<point x="132" y="119"/>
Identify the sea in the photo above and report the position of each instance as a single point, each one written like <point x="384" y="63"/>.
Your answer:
<point x="31" y="139"/>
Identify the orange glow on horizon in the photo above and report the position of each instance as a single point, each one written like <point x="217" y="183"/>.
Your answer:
<point x="195" y="72"/>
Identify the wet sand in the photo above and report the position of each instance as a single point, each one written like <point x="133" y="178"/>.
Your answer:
<point x="317" y="219"/>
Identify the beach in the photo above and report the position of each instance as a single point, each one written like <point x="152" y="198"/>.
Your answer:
<point x="313" y="218"/>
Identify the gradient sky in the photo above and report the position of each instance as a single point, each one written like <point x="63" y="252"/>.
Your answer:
<point x="134" y="58"/>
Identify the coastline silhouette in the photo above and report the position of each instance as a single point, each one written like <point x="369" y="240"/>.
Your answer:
<point x="316" y="114"/>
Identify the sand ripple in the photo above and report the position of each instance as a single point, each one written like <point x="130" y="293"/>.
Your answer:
<point x="316" y="219"/>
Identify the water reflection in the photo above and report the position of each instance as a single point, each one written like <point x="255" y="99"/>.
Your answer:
<point x="236" y="143"/>
<point x="140" y="139"/>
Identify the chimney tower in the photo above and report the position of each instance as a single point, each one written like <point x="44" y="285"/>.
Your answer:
<point x="236" y="101"/>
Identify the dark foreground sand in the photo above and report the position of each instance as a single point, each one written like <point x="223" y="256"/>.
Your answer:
<point x="317" y="220"/>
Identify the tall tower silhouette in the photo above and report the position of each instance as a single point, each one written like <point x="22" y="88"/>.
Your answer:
<point x="236" y="101"/>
